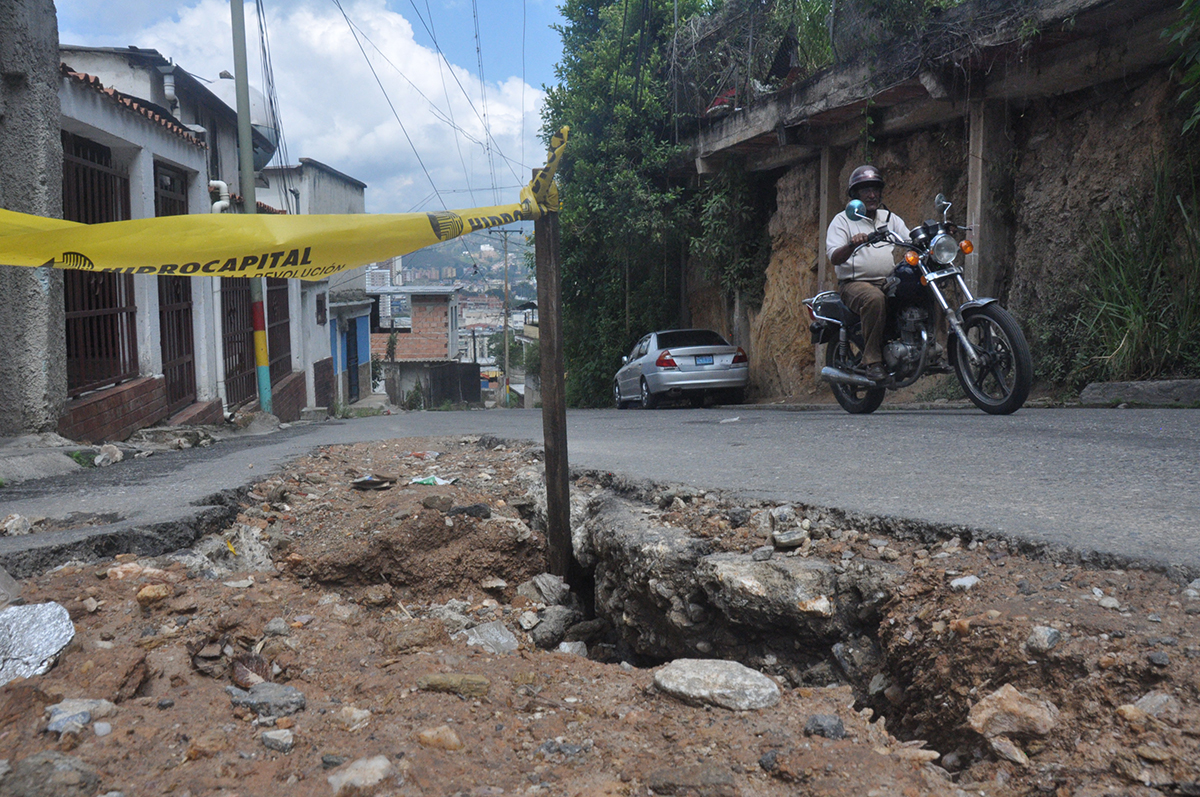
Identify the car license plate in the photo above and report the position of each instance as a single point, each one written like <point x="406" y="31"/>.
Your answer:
<point x="704" y="359"/>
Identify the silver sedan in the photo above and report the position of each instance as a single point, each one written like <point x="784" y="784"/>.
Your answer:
<point x="681" y="364"/>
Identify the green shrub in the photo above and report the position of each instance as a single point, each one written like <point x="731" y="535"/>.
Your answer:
<point x="1140" y="315"/>
<point x="414" y="399"/>
<point x="86" y="459"/>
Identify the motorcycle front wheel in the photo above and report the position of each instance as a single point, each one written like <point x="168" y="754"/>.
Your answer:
<point x="999" y="384"/>
<point x="855" y="400"/>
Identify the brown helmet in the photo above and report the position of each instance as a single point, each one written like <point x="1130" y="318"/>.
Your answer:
<point x="864" y="175"/>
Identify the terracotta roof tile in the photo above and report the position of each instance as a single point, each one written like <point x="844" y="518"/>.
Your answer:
<point x="93" y="82"/>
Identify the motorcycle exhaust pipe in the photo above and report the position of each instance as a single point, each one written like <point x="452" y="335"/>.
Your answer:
<point x="831" y="374"/>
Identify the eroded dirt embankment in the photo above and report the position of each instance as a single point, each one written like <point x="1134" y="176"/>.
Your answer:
<point x="351" y="596"/>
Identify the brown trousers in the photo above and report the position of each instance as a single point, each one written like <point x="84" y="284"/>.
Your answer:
<point x="867" y="300"/>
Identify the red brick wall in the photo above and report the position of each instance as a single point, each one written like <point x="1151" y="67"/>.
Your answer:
<point x="205" y="413"/>
<point x="115" y="413"/>
<point x="430" y="336"/>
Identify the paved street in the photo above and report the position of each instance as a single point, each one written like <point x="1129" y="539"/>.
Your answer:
<point x="1123" y="482"/>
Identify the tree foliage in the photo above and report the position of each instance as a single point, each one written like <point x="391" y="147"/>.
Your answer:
<point x="1185" y="35"/>
<point x="628" y="222"/>
<point x="624" y="222"/>
<point x="733" y="245"/>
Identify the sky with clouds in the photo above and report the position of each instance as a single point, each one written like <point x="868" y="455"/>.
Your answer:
<point x="431" y="136"/>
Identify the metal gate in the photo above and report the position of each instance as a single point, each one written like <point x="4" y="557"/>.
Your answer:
<point x="100" y="310"/>
<point x="175" y="331"/>
<point x="175" y="301"/>
<point x="237" y="338"/>
<point x="279" y="332"/>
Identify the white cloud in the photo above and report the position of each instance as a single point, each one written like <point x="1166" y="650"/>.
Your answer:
<point x="333" y="110"/>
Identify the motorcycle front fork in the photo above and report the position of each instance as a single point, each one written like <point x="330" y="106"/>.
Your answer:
<point x="954" y="318"/>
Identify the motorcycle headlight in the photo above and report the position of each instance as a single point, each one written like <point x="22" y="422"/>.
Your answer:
<point x="944" y="249"/>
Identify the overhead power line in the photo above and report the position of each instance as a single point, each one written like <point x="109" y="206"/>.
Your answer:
<point x="428" y="176"/>
<point x="483" y="101"/>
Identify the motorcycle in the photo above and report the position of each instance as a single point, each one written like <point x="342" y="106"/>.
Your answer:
<point x="985" y="346"/>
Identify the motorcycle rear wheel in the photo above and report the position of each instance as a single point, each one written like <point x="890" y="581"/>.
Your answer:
<point x="854" y="400"/>
<point x="1000" y="384"/>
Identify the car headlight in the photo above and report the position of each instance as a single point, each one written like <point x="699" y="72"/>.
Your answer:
<point x="944" y="249"/>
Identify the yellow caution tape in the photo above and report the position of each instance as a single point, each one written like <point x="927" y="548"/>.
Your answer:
<point x="239" y="245"/>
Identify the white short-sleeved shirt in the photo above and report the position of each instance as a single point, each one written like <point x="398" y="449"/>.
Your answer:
<point x="869" y="262"/>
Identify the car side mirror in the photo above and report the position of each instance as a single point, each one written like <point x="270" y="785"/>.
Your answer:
<point x="624" y="359"/>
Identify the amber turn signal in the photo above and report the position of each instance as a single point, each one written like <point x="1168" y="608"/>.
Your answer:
<point x="967" y="247"/>
<point x="911" y="257"/>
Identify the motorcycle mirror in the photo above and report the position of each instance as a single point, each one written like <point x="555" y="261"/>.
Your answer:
<point x="856" y="210"/>
<point x="943" y="205"/>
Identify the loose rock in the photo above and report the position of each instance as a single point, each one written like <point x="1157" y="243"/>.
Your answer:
<point x="1007" y="711"/>
<point x="828" y="725"/>
<point x="268" y="699"/>
<point x="442" y="737"/>
<point x="281" y="740"/>
<point x="720" y="683"/>
<point x="1042" y="639"/>
<point x="359" y="776"/>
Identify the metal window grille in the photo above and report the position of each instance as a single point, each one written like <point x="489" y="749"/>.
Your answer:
<point x="279" y="333"/>
<point x="241" y="382"/>
<point x="178" y="350"/>
<point x="170" y="191"/>
<point x="100" y="310"/>
<point x="175" y="300"/>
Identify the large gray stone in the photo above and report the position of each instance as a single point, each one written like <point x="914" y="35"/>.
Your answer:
<point x="719" y="683"/>
<point x="31" y="637"/>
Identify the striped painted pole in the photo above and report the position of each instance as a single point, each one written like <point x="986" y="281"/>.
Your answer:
<point x="262" y="360"/>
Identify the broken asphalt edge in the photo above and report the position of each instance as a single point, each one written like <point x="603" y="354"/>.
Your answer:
<point x="926" y="531"/>
<point x="32" y="554"/>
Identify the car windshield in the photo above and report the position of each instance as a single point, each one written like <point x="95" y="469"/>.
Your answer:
<point x="689" y="337"/>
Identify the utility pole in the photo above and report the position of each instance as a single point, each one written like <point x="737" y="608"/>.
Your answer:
<point x="262" y="359"/>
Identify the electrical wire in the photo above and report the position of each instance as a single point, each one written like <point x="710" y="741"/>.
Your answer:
<point x="522" y="81"/>
<point x="428" y="176"/>
<point x="446" y="94"/>
<point x="289" y="200"/>
<point x="483" y="101"/>
<point x="449" y="121"/>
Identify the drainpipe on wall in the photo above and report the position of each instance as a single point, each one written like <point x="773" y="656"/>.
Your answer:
<point x="220" y="206"/>
<point x="168" y="73"/>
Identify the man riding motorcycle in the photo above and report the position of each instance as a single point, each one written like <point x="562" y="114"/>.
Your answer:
<point x="862" y="270"/>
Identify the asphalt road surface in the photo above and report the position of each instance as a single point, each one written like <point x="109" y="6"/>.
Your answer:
<point x="1113" y="482"/>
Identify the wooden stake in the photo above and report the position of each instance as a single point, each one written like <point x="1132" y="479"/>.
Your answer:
<point x="554" y="400"/>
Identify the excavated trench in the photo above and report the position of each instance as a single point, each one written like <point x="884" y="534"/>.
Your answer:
<point x="805" y="619"/>
<point x="921" y="621"/>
